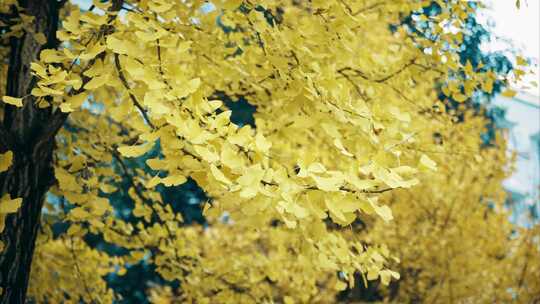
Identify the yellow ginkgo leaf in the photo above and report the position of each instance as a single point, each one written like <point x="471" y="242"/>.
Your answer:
<point x="509" y="93"/>
<point x="134" y="151"/>
<point x="262" y="143"/>
<point x="40" y="38"/>
<point x="340" y="285"/>
<point x="8" y="205"/>
<point x="50" y="56"/>
<point x="79" y="213"/>
<point x="173" y="180"/>
<point x="427" y="162"/>
<point x="14" y="101"/>
<point x="116" y="45"/>
<point x="459" y="97"/>
<point x="218" y="175"/>
<point x="92" y="51"/>
<point x="6" y="160"/>
<point x="230" y="4"/>
<point x="384" y="212"/>
<point x="97" y="82"/>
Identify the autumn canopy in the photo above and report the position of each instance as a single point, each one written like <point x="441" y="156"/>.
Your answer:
<point x="363" y="168"/>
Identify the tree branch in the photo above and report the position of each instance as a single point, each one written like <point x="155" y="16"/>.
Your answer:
<point x="79" y="272"/>
<point x="58" y="118"/>
<point x="128" y="89"/>
<point x="139" y="193"/>
<point x="382" y="79"/>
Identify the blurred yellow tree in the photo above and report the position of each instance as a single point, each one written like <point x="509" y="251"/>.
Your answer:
<point x="452" y="235"/>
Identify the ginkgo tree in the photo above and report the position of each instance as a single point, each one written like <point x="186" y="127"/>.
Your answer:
<point x="345" y="109"/>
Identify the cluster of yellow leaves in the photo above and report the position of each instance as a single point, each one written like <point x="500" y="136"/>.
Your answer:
<point x="69" y="271"/>
<point x="244" y="265"/>
<point x="235" y="265"/>
<point x="5" y="5"/>
<point x="148" y="77"/>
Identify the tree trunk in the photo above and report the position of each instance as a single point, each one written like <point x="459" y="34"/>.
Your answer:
<point x="30" y="179"/>
<point x="29" y="132"/>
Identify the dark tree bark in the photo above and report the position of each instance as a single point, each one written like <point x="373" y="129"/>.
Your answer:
<point x="29" y="132"/>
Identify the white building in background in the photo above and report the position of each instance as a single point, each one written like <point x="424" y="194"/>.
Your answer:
<point x="522" y="121"/>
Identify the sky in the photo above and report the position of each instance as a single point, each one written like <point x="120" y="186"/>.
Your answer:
<point x="521" y="25"/>
<point x="515" y="28"/>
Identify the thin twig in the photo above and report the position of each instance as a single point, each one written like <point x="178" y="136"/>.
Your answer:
<point x="128" y="89"/>
<point x="79" y="273"/>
